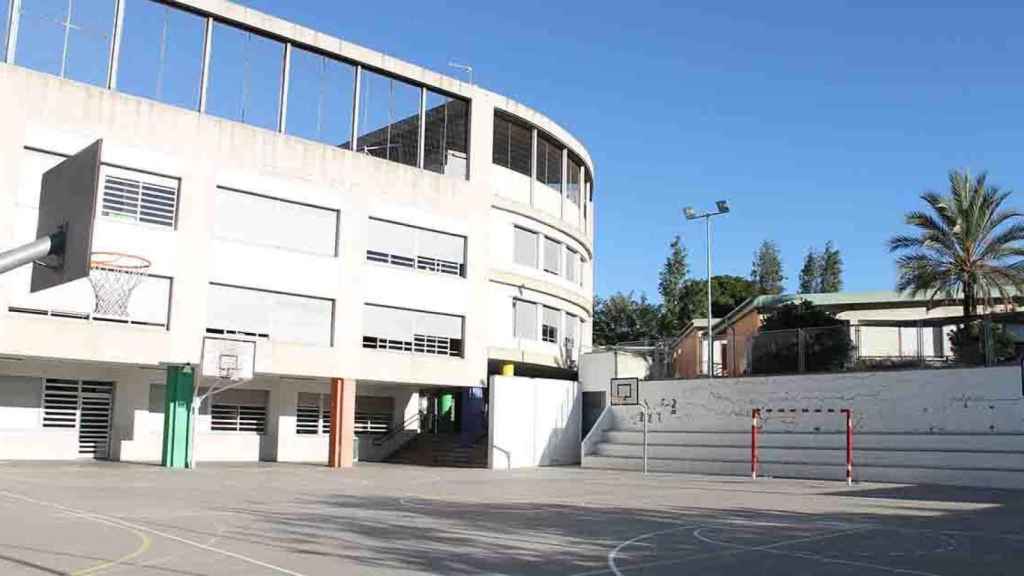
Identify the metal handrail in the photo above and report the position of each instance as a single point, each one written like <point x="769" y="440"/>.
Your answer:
<point x="414" y="419"/>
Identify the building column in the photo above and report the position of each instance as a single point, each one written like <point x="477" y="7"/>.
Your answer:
<point x="177" y="417"/>
<point x="343" y="420"/>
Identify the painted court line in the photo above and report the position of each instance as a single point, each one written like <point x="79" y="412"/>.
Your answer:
<point x="124" y="524"/>
<point x="697" y="534"/>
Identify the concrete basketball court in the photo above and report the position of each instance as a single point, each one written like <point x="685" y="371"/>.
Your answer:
<point x="110" y="518"/>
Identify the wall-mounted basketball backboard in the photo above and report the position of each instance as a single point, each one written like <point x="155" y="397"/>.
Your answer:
<point x="67" y="208"/>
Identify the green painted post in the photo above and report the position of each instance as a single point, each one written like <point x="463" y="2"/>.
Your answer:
<point x="177" y="413"/>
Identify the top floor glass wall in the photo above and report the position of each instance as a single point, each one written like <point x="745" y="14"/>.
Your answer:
<point x="513" y="146"/>
<point x="196" y="61"/>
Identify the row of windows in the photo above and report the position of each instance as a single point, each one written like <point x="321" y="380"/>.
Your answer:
<point x="374" y="414"/>
<point x="513" y="147"/>
<point x="558" y="259"/>
<point x="193" y="61"/>
<point x="414" y="331"/>
<point x="535" y="321"/>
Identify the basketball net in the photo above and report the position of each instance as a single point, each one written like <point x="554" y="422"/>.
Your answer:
<point x="114" y="277"/>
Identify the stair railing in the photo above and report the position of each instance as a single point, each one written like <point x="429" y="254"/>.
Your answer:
<point x="410" y="421"/>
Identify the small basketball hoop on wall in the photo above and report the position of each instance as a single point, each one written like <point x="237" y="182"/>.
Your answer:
<point x="114" y="276"/>
<point x="625" y="391"/>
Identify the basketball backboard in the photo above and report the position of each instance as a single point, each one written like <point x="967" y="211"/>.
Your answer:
<point x="228" y="358"/>
<point x="67" y="203"/>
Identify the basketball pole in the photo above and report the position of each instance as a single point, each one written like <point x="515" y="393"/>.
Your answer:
<point x="52" y="244"/>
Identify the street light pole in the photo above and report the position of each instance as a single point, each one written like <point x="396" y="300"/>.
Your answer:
<point x="722" y="208"/>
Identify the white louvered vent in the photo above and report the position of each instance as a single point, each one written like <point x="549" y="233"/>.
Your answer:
<point x="313" y="414"/>
<point x="139" y="197"/>
<point x="238" y="418"/>
<point x="60" y="403"/>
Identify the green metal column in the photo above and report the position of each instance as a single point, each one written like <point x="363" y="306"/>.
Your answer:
<point x="177" y="413"/>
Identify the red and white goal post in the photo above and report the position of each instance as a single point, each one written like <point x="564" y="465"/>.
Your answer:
<point x="755" y="457"/>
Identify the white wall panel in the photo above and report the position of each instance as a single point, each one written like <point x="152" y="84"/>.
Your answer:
<point x="274" y="222"/>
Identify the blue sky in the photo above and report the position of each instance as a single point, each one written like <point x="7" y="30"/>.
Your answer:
<point x="816" y="120"/>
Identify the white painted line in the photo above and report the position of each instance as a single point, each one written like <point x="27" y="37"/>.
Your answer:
<point x="771" y="550"/>
<point x="124" y="524"/>
<point x="617" y="549"/>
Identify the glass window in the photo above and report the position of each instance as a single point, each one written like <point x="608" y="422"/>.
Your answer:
<point x="572" y="264"/>
<point x="549" y="162"/>
<point x="572" y="328"/>
<point x="320" y="98"/>
<point x="245" y="76"/>
<point x="526" y="247"/>
<point x="413" y="247"/>
<point x="572" y="184"/>
<point x="67" y="38"/>
<point x="161" y="53"/>
<point x="513" y="144"/>
<point x="389" y="118"/>
<point x="552" y="256"/>
<point x="552" y="320"/>
<point x="401" y="330"/>
<point x="273" y="315"/>
<point x="446" y="150"/>
<point x="259" y="220"/>
<point x="4" y="15"/>
<point x="526" y="319"/>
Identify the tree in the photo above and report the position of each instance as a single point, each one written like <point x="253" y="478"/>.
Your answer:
<point x="623" y="318"/>
<point x="675" y="312"/>
<point x="766" y="271"/>
<point x="826" y="340"/>
<point x="966" y="245"/>
<point x="810" y="272"/>
<point x="727" y="292"/>
<point x="830" y="277"/>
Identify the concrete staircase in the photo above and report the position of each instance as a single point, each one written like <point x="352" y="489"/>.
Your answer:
<point x="994" y="460"/>
<point x="446" y="450"/>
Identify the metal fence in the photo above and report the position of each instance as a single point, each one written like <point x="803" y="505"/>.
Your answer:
<point x="877" y="345"/>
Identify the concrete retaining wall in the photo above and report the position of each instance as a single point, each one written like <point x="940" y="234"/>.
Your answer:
<point x="956" y="426"/>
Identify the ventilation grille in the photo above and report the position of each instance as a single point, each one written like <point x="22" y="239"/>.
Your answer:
<point x="139" y="201"/>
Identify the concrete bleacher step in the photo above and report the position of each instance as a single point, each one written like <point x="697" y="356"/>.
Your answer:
<point x="941" y="458"/>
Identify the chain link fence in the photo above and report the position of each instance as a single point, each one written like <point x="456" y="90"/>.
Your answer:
<point x="879" y="345"/>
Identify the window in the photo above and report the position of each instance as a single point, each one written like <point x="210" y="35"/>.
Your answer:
<point x="513" y="144"/>
<point x="412" y="247"/>
<point x="549" y="162"/>
<point x="552" y="256"/>
<point x="526" y="319"/>
<point x="239" y="411"/>
<point x="572" y="330"/>
<point x="273" y="315"/>
<point x="572" y="188"/>
<point x="320" y="92"/>
<point x="4" y="6"/>
<point x="313" y="413"/>
<point x="374" y="414"/>
<point x="402" y="330"/>
<point x="550" y="327"/>
<point x="139" y="197"/>
<point x="525" y="247"/>
<point x="572" y="265"/>
<point x="245" y="76"/>
<point x="66" y="39"/>
<point x="276" y="223"/>
<point x="389" y="121"/>
<point x="446" y="149"/>
<point x="161" y="55"/>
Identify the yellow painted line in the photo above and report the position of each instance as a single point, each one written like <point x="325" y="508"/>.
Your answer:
<point x="143" y="547"/>
<point x="145" y="540"/>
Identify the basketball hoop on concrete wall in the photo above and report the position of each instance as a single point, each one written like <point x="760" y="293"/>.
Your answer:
<point x="114" y="276"/>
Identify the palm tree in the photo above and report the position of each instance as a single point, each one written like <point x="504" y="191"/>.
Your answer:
<point x="968" y="245"/>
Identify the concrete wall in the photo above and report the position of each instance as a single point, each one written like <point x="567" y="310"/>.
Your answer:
<point x="533" y="422"/>
<point x="956" y="426"/>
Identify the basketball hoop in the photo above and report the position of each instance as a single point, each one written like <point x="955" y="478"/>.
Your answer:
<point x="114" y="276"/>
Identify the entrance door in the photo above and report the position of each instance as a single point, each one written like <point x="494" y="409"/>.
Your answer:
<point x="95" y="403"/>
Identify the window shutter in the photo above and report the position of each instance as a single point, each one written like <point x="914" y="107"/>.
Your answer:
<point x="526" y="319"/>
<point x="139" y="197"/>
<point x="552" y="256"/>
<point x="525" y="247"/>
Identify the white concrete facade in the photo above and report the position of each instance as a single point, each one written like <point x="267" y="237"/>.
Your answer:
<point x="44" y="117"/>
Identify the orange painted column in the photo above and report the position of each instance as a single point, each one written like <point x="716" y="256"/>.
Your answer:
<point x="343" y="422"/>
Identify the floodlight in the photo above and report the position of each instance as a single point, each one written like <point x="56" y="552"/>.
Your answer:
<point x="690" y="214"/>
<point x="723" y="206"/>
